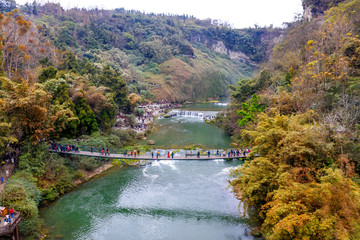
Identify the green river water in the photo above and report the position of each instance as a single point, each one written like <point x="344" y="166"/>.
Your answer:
<point x="179" y="132"/>
<point x="184" y="200"/>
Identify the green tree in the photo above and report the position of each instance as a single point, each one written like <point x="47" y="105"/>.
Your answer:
<point x="86" y="116"/>
<point x="22" y="194"/>
<point x="47" y="73"/>
<point x="117" y="84"/>
<point x="249" y="110"/>
<point x="70" y="62"/>
<point x="64" y="121"/>
<point x="6" y="137"/>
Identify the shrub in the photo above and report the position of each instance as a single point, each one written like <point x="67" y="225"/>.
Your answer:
<point x="22" y="194"/>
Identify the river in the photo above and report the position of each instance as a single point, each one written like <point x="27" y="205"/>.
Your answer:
<point x="165" y="200"/>
<point x="182" y="131"/>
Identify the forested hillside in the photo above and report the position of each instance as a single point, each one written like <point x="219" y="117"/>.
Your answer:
<point x="301" y="114"/>
<point x="159" y="56"/>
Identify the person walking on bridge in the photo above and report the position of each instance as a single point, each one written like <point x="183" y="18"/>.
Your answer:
<point x="152" y="154"/>
<point x="198" y="154"/>
<point x="168" y="154"/>
<point x="172" y="154"/>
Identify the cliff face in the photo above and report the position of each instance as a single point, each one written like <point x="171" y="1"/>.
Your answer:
<point x="220" y="47"/>
<point x="314" y="8"/>
<point x="251" y="46"/>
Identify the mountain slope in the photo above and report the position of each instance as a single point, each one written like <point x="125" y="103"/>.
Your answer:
<point x="137" y="45"/>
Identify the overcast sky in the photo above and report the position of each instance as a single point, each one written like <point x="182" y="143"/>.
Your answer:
<point x="238" y="13"/>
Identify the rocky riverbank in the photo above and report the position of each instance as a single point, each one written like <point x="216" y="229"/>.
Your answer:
<point x="90" y="175"/>
<point x="146" y="114"/>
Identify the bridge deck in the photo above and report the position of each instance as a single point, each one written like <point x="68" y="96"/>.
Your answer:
<point x="147" y="157"/>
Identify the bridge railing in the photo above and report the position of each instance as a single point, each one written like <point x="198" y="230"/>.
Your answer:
<point x="164" y="155"/>
<point x="213" y="152"/>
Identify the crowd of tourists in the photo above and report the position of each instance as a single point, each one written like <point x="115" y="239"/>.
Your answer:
<point x="150" y="112"/>
<point x="64" y="148"/>
<point x="231" y="153"/>
<point x="238" y="153"/>
<point x="71" y="148"/>
<point x="9" y="217"/>
<point x="102" y="151"/>
<point x="158" y="154"/>
<point x="131" y="153"/>
<point x="170" y="154"/>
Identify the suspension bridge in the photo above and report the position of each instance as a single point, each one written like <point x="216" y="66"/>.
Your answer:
<point x="164" y="155"/>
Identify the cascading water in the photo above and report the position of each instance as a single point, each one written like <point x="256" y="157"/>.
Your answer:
<point x="194" y="114"/>
<point x="190" y="114"/>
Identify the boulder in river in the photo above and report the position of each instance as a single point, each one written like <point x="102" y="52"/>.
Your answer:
<point x="151" y="142"/>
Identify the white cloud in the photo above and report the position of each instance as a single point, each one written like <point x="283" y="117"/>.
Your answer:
<point x="239" y="13"/>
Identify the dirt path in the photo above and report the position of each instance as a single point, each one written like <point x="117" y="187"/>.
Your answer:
<point x="5" y="171"/>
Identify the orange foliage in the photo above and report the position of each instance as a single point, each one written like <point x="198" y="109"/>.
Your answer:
<point x="27" y="104"/>
<point x="22" y="47"/>
<point x="27" y="57"/>
<point x="134" y="99"/>
<point x="346" y="165"/>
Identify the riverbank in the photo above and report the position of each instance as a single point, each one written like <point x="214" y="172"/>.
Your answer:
<point x="89" y="175"/>
<point x="145" y="115"/>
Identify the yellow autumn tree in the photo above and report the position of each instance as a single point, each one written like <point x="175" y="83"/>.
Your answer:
<point x="295" y="184"/>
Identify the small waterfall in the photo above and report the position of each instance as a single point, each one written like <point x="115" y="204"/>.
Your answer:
<point x="190" y="114"/>
<point x="208" y="115"/>
<point x="222" y="104"/>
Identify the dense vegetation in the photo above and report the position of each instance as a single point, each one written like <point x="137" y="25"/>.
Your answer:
<point x="43" y="97"/>
<point x="318" y="7"/>
<point x="301" y="115"/>
<point x="65" y="75"/>
<point x="159" y="56"/>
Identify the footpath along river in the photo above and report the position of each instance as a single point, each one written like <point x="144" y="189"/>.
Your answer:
<point x="186" y="200"/>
